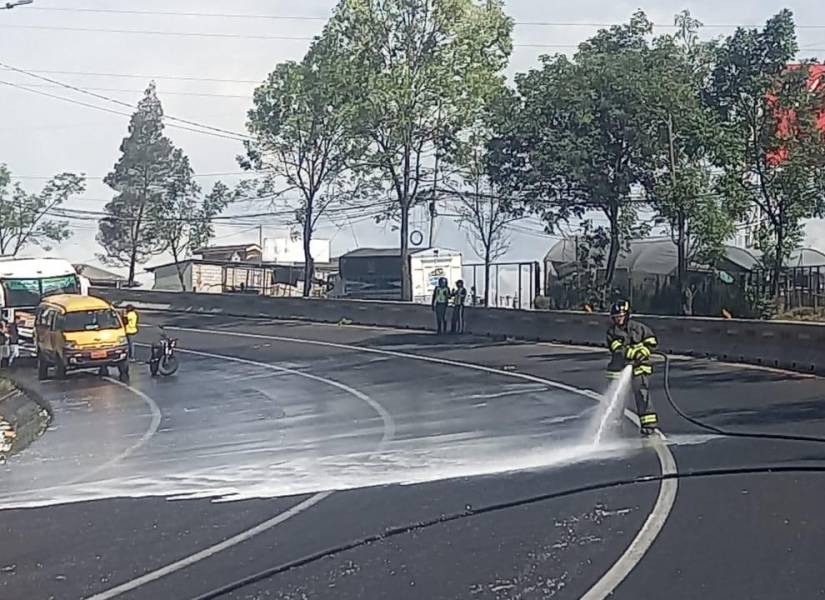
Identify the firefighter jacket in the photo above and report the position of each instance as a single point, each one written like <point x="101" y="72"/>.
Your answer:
<point x="633" y="342"/>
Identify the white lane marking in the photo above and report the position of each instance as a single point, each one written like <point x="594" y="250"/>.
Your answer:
<point x="389" y="433"/>
<point x="668" y="488"/>
<point x="650" y="530"/>
<point x="395" y="353"/>
<point x="211" y="550"/>
<point x="507" y="393"/>
<point x="147" y="435"/>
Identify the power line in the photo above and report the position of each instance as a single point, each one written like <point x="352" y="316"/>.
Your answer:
<point x="135" y="91"/>
<point x="138" y="76"/>
<point x="182" y="14"/>
<point x="108" y="110"/>
<point x="203" y="34"/>
<point x="101" y="177"/>
<point x="119" y="102"/>
<point x="322" y="18"/>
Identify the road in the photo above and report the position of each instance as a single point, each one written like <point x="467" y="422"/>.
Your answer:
<point x="278" y="441"/>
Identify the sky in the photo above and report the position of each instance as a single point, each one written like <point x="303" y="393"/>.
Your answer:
<point x="206" y="65"/>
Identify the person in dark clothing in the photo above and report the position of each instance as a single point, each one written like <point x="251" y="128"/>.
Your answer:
<point x="459" y="302"/>
<point x="4" y="343"/>
<point x="441" y="297"/>
<point x="14" y="340"/>
<point x="631" y="342"/>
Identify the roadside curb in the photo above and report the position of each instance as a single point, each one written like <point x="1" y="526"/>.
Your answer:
<point x="24" y="417"/>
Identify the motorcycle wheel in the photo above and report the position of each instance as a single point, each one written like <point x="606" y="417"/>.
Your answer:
<point x="168" y="365"/>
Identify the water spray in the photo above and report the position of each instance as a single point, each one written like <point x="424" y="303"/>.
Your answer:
<point x="610" y="411"/>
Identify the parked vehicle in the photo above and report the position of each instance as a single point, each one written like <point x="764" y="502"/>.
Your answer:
<point x="25" y="282"/>
<point x="79" y="332"/>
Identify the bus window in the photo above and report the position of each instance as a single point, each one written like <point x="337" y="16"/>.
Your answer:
<point x="21" y="292"/>
<point x="65" y="284"/>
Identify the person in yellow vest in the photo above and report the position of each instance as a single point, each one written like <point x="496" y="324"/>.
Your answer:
<point x="459" y="296"/>
<point x="441" y="297"/>
<point x="131" y="323"/>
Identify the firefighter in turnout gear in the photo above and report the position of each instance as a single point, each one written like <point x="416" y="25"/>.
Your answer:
<point x="631" y="343"/>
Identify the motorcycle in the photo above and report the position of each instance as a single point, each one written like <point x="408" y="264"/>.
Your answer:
<point x="162" y="358"/>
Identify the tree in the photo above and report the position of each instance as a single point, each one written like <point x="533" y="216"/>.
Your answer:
<point x="141" y="176"/>
<point x="24" y="217"/>
<point x="682" y="132"/>
<point x="576" y="141"/>
<point x="300" y="125"/>
<point x="772" y="151"/>
<point x="184" y="219"/>
<point x="419" y="70"/>
<point x="479" y="204"/>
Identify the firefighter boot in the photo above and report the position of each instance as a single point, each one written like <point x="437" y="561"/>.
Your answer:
<point x="648" y="419"/>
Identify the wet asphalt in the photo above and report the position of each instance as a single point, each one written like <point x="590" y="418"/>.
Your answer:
<point x="128" y="481"/>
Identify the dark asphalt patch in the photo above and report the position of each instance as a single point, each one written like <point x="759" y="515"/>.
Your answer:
<point x="558" y="548"/>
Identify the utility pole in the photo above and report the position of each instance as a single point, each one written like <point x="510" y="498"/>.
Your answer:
<point x="433" y="210"/>
<point x="261" y="244"/>
<point x="10" y="5"/>
<point x="432" y="207"/>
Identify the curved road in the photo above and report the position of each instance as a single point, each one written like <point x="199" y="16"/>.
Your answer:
<point x="266" y="448"/>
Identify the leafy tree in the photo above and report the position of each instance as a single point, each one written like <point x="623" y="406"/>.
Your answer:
<point x="141" y="176"/>
<point x="24" y="217"/>
<point x="772" y="151"/>
<point x="682" y="133"/>
<point x="300" y="125"/>
<point x="576" y="142"/>
<point x="419" y="69"/>
<point x="184" y="219"/>
<point x="480" y="206"/>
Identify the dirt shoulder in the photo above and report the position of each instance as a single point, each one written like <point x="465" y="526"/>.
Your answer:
<point x="23" y="417"/>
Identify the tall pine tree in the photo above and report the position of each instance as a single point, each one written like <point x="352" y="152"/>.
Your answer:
<point x="141" y="176"/>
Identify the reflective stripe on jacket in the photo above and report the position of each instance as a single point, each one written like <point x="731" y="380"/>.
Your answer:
<point x="633" y="333"/>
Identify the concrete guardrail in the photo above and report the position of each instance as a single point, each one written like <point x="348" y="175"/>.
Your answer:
<point x="782" y="344"/>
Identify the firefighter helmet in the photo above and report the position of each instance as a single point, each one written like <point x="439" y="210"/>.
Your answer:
<point x="622" y="307"/>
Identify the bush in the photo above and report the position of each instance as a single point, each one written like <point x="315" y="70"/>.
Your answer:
<point x="541" y="303"/>
<point x="803" y="314"/>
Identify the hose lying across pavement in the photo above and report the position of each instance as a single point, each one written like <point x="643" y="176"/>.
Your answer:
<point x="490" y="508"/>
<point x="757" y="435"/>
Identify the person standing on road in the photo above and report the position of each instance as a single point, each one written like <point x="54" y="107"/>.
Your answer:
<point x="4" y="343"/>
<point x="459" y="302"/>
<point x="441" y="297"/>
<point x="14" y="339"/>
<point x="631" y="343"/>
<point x="132" y="319"/>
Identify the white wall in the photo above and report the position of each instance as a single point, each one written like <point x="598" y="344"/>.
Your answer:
<point x="207" y="279"/>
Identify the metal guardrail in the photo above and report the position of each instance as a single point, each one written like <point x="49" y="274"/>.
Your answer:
<point x="789" y="345"/>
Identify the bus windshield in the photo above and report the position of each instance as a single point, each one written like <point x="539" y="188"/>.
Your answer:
<point x="28" y="292"/>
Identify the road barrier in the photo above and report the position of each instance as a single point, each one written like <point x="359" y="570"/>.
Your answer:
<point x="782" y="344"/>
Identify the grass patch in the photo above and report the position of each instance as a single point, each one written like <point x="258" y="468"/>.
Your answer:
<point x="802" y="314"/>
<point x="6" y="385"/>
